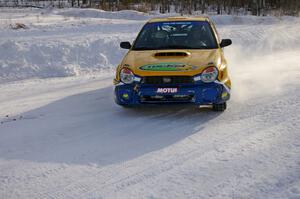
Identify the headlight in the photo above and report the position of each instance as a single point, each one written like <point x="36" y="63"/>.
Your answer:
<point x="210" y="74"/>
<point x="126" y="76"/>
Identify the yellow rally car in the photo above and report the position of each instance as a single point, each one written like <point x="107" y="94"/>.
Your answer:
<point x="174" y="60"/>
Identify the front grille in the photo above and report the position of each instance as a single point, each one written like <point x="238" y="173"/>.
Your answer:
<point x="167" y="98"/>
<point x="167" y="80"/>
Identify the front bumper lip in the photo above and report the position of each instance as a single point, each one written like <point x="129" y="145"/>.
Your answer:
<point x="197" y="93"/>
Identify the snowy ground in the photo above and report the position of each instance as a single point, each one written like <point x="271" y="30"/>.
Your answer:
<point x="63" y="137"/>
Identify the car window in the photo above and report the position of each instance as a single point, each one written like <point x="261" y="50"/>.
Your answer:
<point x="176" y="35"/>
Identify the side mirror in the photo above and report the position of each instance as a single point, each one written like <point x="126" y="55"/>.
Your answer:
<point x="125" y="45"/>
<point x="225" y="42"/>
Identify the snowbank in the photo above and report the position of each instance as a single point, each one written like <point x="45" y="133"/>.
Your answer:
<point x="95" y="13"/>
<point x="22" y="59"/>
<point x="251" y="20"/>
<point x="63" y="42"/>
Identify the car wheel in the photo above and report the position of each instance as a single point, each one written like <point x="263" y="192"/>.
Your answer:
<point x="219" y="107"/>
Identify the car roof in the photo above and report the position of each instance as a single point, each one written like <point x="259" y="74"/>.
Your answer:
<point x="179" y="18"/>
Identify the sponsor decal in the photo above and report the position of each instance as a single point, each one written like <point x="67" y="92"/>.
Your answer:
<point x="177" y="23"/>
<point x="167" y="90"/>
<point x="171" y="66"/>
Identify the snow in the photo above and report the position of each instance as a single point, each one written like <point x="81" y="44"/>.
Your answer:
<point x="62" y="136"/>
<point x="61" y="43"/>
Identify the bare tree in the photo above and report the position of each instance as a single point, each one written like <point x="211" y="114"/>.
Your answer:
<point x="255" y="7"/>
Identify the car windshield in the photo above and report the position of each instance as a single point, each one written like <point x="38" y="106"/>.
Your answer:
<point x="176" y="35"/>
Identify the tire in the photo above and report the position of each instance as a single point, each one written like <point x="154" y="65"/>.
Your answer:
<point x="219" y="107"/>
<point x="126" y="106"/>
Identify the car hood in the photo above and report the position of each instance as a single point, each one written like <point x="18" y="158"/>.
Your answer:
<point x="171" y="62"/>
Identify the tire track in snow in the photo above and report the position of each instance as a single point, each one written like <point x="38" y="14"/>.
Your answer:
<point x="161" y="167"/>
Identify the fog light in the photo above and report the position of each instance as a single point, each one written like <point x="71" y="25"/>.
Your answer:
<point x="197" y="78"/>
<point x="125" y="96"/>
<point x="224" y="95"/>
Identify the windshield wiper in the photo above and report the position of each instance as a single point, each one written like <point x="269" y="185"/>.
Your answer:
<point x="172" y="47"/>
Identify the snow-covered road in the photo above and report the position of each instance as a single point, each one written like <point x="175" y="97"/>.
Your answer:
<point x="64" y="137"/>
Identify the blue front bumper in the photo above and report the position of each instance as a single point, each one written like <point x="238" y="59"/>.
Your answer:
<point x="197" y="93"/>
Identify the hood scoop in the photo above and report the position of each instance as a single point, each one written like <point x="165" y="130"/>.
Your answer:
<point x="171" y="54"/>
